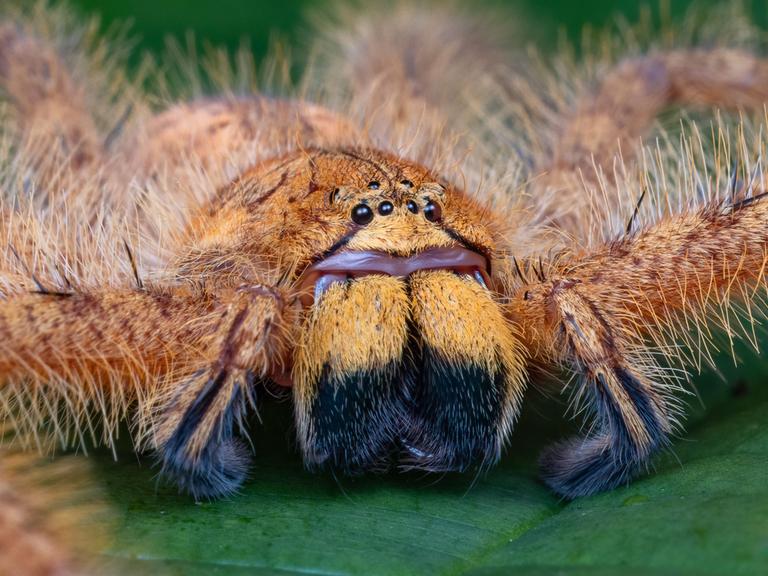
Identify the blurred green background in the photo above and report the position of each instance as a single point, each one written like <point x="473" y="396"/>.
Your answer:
<point x="704" y="510"/>
<point x="228" y="21"/>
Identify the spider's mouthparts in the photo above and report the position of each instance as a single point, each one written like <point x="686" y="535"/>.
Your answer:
<point x="342" y="266"/>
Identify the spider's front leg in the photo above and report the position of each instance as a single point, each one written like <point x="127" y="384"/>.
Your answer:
<point x="609" y="315"/>
<point x="204" y="346"/>
<point x="196" y="420"/>
<point x="633" y="412"/>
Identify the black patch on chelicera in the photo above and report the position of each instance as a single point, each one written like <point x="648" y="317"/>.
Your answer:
<point x="354" y="418"/>
<point x="455" y="413"/>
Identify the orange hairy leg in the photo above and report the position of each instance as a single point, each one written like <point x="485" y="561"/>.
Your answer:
<point x="39" y="336"/>
<point x="205" y="348"/>
<point x="50" y="107"/>
<point x="601" y="314"/>
<point x="622" y="109"/>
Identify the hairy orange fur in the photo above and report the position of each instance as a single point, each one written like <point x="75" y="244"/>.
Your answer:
<point x="163" y="273"/>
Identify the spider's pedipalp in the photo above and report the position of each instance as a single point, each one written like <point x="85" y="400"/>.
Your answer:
<point x="206" y="463"/>
<point x="632" y="411"/>
<point x="196" y="418"/>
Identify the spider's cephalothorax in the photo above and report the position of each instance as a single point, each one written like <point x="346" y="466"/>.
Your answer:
<point x="399" y="344"/>
<point x="160" y="268"/>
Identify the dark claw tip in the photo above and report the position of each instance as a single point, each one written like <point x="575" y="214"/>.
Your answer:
<point x="217" y="473"/>
<point x="585" y="466"/>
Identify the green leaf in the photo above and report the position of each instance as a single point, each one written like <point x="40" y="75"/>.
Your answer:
<point x="703" y="511"/>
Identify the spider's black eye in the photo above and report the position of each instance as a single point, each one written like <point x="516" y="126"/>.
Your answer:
<point x="385" y="208"/>
<point x="412" y="206"/>
<point x="373" y="185"/>
<point x="362" y="214"/>
<point x="433" y="212"/>
<point x="406" y="183"/>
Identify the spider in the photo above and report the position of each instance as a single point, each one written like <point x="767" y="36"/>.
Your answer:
<point x="383" y="243"/>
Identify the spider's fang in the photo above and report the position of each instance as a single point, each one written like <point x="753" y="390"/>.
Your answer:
<point x="477" y="275"/>
<point x="326" y="281"/>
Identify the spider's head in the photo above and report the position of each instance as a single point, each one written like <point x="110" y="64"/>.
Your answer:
<point x="403" y="349"/>
<point x="378" y="214"/>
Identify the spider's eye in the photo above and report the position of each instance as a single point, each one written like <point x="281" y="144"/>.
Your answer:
<point x="362" y="214"/>
<point x="406" y="183"/>
<point x="433" y="212"/>
<point x="385" y="208"/>
<point x="412" y="206"/>
<point x="373" y="185"/>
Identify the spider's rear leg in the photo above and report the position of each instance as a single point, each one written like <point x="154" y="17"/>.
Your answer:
<point x="622" y="109"/>
<point x="50" y="107"/>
